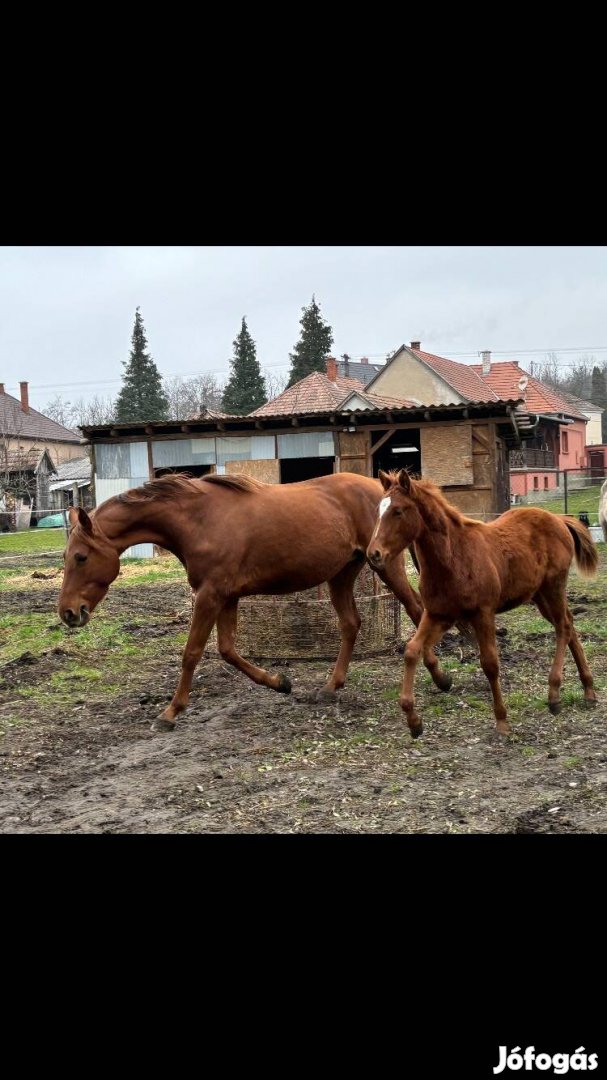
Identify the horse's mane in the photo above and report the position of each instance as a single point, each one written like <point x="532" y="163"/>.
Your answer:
<point x="163" y="487"/>
<point x="432" y="503"/>
<point x="236" y="482"/>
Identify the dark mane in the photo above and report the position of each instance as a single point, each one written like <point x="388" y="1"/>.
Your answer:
<point x="164" y="487"/>
<point x="236" y="482"/>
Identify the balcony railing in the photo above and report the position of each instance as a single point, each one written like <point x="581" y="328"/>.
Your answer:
<point x="531" y="459"/>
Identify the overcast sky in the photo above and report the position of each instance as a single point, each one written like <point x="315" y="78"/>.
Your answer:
<point x="66" y="314"/>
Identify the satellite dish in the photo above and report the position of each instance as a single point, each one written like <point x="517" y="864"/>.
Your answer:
<point x="522" y="383"/>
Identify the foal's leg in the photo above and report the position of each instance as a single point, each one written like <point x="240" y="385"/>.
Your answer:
<point x="226" y="634"/>
<point x="396" y="579"/>
<point x="427" y="634"/>
<point x="552" y="603"/>
<point x="206" y="608"/>
<point x="484" y="628"/>
<point x="341" y="589"/>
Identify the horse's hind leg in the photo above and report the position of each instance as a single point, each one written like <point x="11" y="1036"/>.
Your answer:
<point x="484" y="628"/>
<point x="341" y="590"/>
<point x="226" y="634"/>
<point x="206" y="607"/>
<point x="553" y="605"/>
<point x="394" y="576"/>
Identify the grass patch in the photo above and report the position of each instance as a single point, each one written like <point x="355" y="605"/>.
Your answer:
<point x="32" y="541"/>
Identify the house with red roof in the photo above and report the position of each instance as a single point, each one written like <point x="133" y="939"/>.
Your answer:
<point x="550" y="435"/>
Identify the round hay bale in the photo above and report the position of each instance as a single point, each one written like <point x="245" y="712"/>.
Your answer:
<point x="304" y="625"/>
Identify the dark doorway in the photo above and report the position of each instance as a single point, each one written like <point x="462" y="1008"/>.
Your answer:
<point x="400" y="451"/>
<point x="193" y="470"/>
<point x="292" y="470"/>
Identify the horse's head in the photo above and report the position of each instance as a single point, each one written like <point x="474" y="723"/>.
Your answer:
<point x="91" y="564"/>
<point x="399" y="521"/>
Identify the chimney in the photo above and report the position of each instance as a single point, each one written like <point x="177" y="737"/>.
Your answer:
<point x="416" y="345"/>
<point x="25" y="404"/>
<point x="331" y="368"/>
<point x="486" y="358"/>
<point x="1" y="387"/>
<point x="346" y="360"/>
<point x="364" y="359"/>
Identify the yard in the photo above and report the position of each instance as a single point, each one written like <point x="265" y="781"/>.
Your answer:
<point x="77" y="752"/>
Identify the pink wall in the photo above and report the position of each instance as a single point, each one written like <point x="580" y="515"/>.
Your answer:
<point x="521" y="483"/>
<point x="575" y="437"/>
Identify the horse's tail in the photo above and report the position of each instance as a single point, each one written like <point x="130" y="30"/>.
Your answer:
<point x="586" y="554"/>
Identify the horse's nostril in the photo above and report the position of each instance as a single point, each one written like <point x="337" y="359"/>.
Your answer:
<point x="68" y="616"/>
<point x="375" y="555"/>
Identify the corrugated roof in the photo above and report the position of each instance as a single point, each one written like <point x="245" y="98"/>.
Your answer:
<point x="31" y="425"/>
<point x="503" y="378"/>
<point x="77" y="469"/>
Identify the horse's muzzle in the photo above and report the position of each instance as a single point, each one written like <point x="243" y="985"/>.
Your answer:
<point x="72" y="619"/>
<point x="376" y="558"/>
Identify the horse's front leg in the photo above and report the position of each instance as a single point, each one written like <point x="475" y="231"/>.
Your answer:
<point x="393" y="574"/>
<point x="428" y="633"/>
<point x="226" y="635"/>
<point x="206" y="608"/>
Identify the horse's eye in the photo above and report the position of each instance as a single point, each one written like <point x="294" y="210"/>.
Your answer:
<point x="397" y="512"/>
<point x="80" y="558"/>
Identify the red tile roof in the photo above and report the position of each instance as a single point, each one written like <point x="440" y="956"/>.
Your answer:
<point x="462" y="377"/>
<point x="315" y="393"/>
<point x="31" y="425"/>
<point x="503" y="378"/>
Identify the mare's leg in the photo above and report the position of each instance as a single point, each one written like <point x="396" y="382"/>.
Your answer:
<point x="226" y="634"/>
<point x="427" y="634"/>
<point x="206" y="608"/>
<point x="396" y="579"/>
<point x="552" y="603"/>
<point x="484" y="628"/>
<point x="341" y="589"/>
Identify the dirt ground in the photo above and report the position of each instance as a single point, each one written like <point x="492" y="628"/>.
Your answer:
<point x="77" y="753"/>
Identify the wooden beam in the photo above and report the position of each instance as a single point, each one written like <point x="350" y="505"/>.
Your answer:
<point x="150" y="460"/>
<point x="383" y="439"/>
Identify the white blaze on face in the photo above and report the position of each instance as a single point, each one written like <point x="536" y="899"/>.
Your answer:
<point x="383" y="506"/>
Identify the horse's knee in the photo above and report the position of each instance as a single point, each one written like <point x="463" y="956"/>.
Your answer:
<point x="491" y="669"/>
<point x="226" y="653"/>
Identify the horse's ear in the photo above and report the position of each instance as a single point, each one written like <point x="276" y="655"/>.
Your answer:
<point x="404" y="480"/>
<point x="79" y="516"/>
<point x="384" y="480"/>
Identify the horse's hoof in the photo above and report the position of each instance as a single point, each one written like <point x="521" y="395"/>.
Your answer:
<point x="501" y="736"/>
<point x="326" y="695"/>
<point x="590" y="703"/>
<point x="416" y="731"/>
<point x="284" y="686"/>
<point x="444" y="682"/>
<point x="555" y="707"/>
<point x="162" y="724"/>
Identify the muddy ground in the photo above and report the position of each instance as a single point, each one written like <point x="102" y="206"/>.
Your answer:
<point x="77" y="753"/>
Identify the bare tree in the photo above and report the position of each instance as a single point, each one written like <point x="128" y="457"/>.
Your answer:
<point x="17" y="463"/>
<point x="79" y="413"/>
<point x="275" y="383"/>
<point x="190" y="397"/>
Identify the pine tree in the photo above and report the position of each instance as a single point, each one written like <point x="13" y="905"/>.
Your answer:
<point x="141" y="396"/>
<point x="314" y="345"/>
<point x="245" y="389"/>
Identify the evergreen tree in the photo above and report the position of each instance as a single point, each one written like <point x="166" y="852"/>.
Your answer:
<point x="314" y="345"/>
<point x="245" y="389"/>
<point x="141" y="396"/>
<point x="598" y="395"/>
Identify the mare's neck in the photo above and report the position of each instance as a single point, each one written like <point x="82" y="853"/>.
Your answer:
<point x="146" y="522"/>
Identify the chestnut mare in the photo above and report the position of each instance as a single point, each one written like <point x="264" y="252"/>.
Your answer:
<point x="238" y="537"/>
<point x="470" y="571"/>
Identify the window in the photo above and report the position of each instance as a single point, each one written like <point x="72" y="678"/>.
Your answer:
<point x="546" y="483"/>
<point x="536" y="483"/>
<point x="565" y="442"/>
